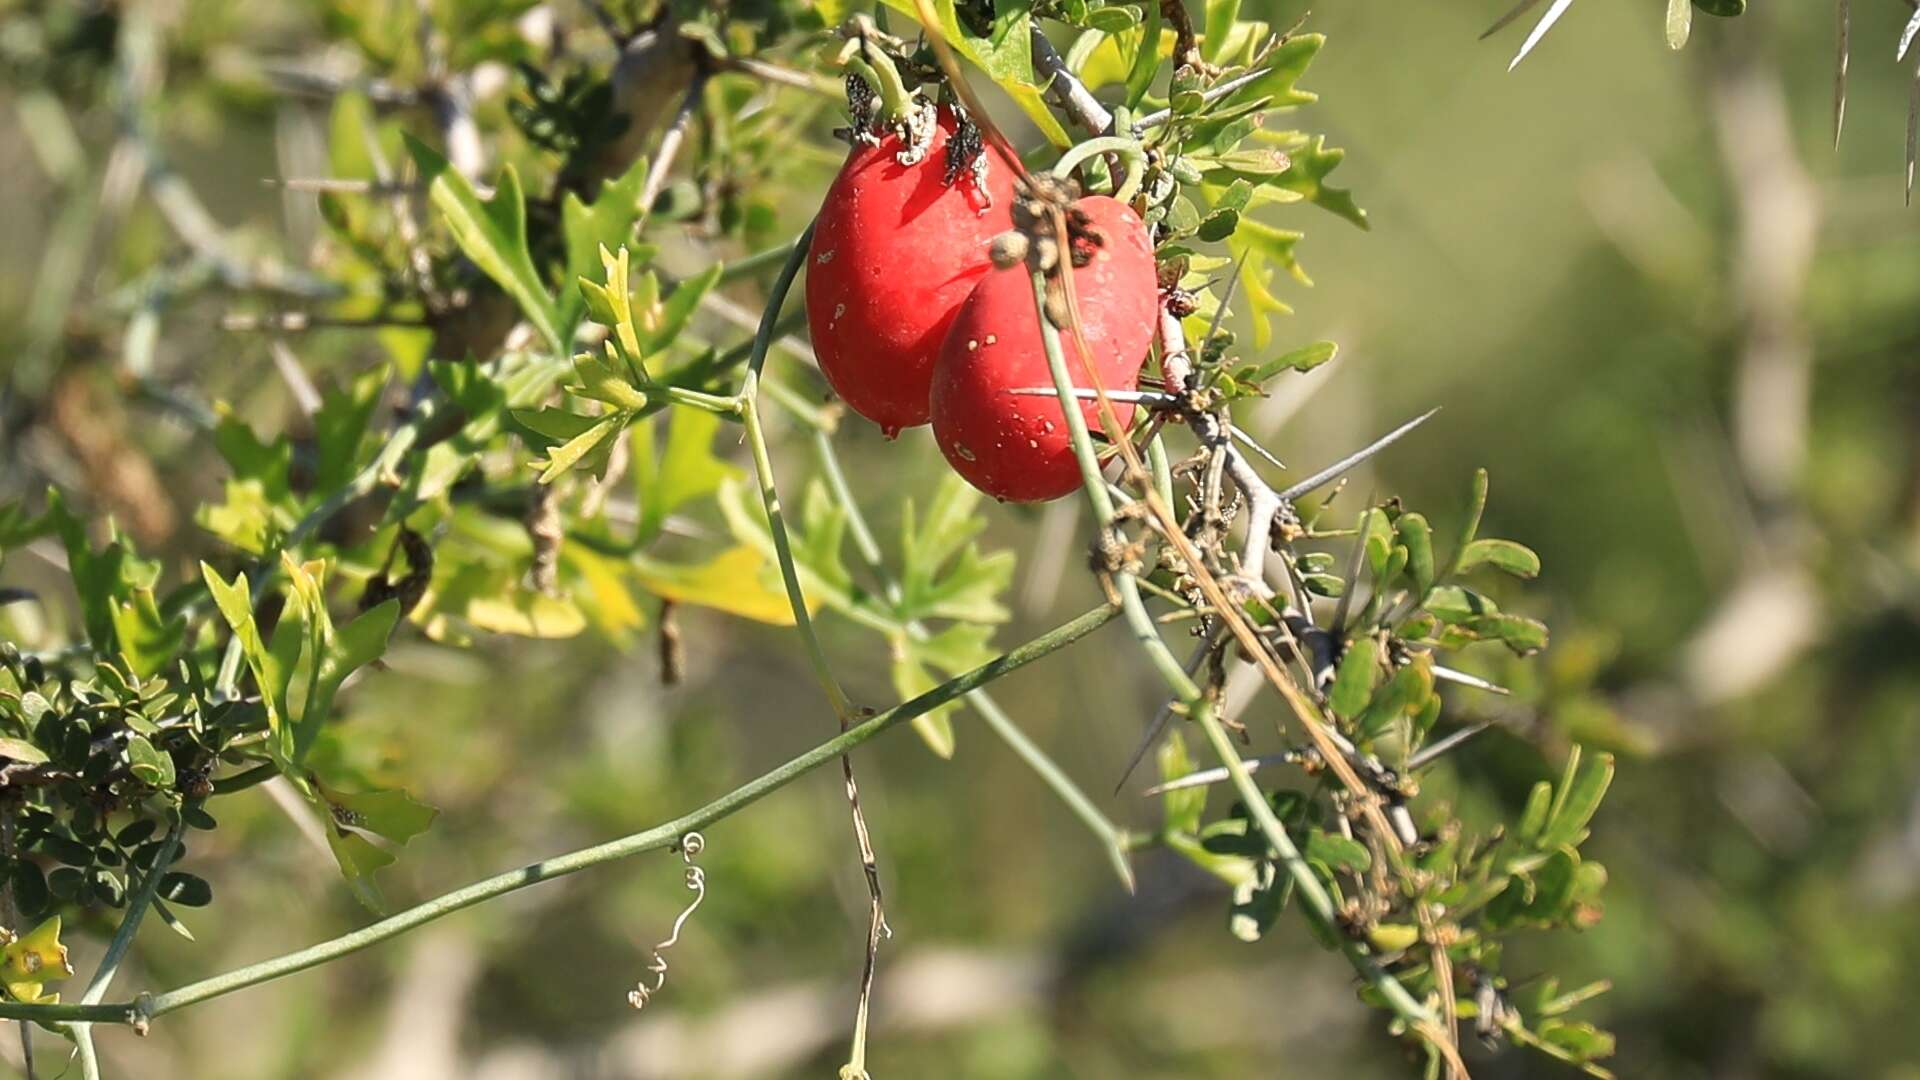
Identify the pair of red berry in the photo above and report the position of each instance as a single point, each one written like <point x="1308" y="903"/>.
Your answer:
<point x="912" y="322"/>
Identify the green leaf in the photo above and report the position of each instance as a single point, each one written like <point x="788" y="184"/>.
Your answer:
<point x="911" y="679"/>
<point x="340" y="427"/>
<point x="1353" y="682"/>
<point x="1533" y="819"/>
<point x="19" y="528"/>
<point x="1336" y="852"/>
<point x="1284" y="67"/>
<point x="29" y="885"/>
<point x="1679" y="23"/>
<point x="22" y="751"/>
<point x="493" y="234"/>
<point x="1393" y="937"/>
<point x="596" y="439"/>
<point x="1580" y="1042"/>
<point x="1579" y="797"/>
<point x="1222" y="17"/>
<point x="392" y="814"/>
<point x="1522" y="635"/>
<point x="1146" y="57"/>
<point x="607" y="377"/>
<point x="957" y="649"/>
<point x="1257" y="903"/>
<point x="1004" y="52"/>
<point x="1258" y="245"/>
<point x="822" y="581"/>
<point x="1113" y="18"/>
<point x="551" y="425"/>
<point x="822" y="537"/>
<point x="1180" y="809"/>
<point x="187" y="890"/>
<point x="1414" y="534"/>
<point x="352" y="647"/>
<point x="734" y="581"/>
<point x="32" y="961"/>
<point x="524" y="613"/>
<point x="687" y="471"/>
<point x="105" y="581"/>
<point x="1307" y="174"/>
<point x="148" y="640"/>
<point x="1406" y="694"/>
<point x="149" y="765"/>
<point x="1218" y="225"/>
<point x="606" y="224"/>
<point x="1504" y="555"/>
<point x="1553" y="886"/>
<point x="1303" y="359"/>
<point x="358" y="860"/>
<point x="943" y="574"/>
<point x="1453" y="604"/>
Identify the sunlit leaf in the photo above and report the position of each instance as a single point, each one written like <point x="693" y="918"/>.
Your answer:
<point x="1504" y="555"/>
<point x="493" y="233"/>
<point x="735" y="581"/>
<point x="1004" y="51"/>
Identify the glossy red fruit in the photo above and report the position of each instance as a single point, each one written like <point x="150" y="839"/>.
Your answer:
<point x="1016" y="447"/>
<point x="896" y="249"/>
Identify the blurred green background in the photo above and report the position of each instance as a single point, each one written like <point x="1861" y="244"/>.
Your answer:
<point x="1678" y="326"/>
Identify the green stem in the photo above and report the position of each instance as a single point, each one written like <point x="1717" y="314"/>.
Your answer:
<point x="754" y="263"/>
<point x="713" y="403"/>
<point x="1162" y="469"/>
<point x="783" y="550"/>
<point x="896" y="101"/>
<point x="241" y="781"/>
<point x="149" y="1006"/>
<point x="749" y="405"/>
<point x="1136" y="159"/>
<point x="1199" y="706"/>
<point x="102" y="979"/>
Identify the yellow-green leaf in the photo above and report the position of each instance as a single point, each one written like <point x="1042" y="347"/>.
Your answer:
<point x="733" y="582"/>
<point x="526" y="614"/>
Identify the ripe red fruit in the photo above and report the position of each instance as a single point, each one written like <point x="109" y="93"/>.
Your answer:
<point x="896" y="249"/>
<point x="1016" y="447"/>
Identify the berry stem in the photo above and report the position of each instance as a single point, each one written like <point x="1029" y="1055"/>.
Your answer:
<point x="875" y="66"/>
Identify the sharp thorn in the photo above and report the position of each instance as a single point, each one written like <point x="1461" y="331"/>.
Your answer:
<point x="1212" y="776"/>
<point x="1539" y="30"/>
<point x="1256" y="447"/>
<point x="1433" y="751"/>
<point x="1334" y="470"/>
<point x="1447" y="674"/>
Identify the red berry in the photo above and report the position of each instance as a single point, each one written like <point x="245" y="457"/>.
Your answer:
<point x="896" y="249"/>
<point x="1016" y="447"/>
